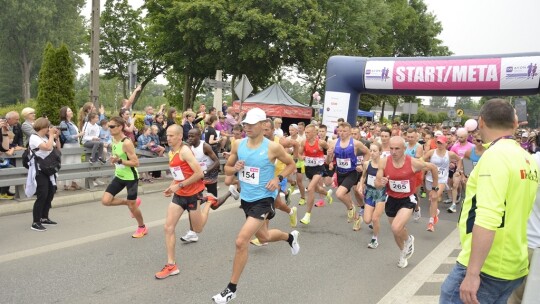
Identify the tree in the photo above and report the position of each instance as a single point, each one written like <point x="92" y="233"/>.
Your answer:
<point x="56" y="83"/>
<point x="124" y="39"/>
<point x="438" y="102"/>
<point x="466" y="103"/>
<point x="26" y="28"/>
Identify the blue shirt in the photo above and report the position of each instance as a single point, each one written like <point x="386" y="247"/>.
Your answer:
<point x="257" y="172"/>
<point x="345" y="157"/>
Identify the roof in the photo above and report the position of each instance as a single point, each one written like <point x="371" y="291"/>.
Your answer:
<point x="274" y="95"/>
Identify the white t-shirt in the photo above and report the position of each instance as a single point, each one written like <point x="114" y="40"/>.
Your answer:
<point x="35" y="141"/>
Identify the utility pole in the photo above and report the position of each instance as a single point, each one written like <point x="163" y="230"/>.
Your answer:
<point x="94" y="54"/>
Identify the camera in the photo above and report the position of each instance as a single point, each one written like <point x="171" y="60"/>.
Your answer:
<point x="60" y="128"/>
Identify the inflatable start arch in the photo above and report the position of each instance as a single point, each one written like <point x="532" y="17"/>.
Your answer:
<point x="491" y="75"/>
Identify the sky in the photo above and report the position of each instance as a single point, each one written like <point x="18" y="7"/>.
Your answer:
<point x="473" y="27"/>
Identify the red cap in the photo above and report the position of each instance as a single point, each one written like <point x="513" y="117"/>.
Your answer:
<point x="442" y="139"/>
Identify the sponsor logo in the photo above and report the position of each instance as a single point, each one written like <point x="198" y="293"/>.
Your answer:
<point x="526" y="71"/>
<point x="530" y="175"/>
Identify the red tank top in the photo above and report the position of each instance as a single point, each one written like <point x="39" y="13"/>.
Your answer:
<point x="313" y="155"/>
<point x="401" y="181"/>
<point x="181" y="171"/>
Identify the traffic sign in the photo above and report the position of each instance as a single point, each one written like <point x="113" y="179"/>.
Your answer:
<point x="243" y="88"/>
<point x="459" y="112"/>
<point x="451" y="113"/>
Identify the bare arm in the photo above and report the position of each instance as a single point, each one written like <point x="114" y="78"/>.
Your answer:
<point x="230" y="166"/>
<point x="131" y="99"/>
<point x="133" y="160"/>
<point x="419" y="151"/>
<point x="360" y="147"/>
<point x="210" y="153"/>
<point x="381" y="180"/>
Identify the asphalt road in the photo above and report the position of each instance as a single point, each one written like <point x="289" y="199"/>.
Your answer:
<point x="90" y="257"/>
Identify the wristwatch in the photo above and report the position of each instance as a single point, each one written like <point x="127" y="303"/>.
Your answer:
<point x="180" y="185"/>
<point x="280" y="177"/>
<point x="119" y="161"/>
<point x="435" y="188"/>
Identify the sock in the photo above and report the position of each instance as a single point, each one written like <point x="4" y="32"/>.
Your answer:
<point x="291" y="212"/>
<point x="291" y="239"/>
<point x="374" y="237"/>
<point x="431" y="220"/>
<point x="232" y="287"/>
<point x="142" y="226"/>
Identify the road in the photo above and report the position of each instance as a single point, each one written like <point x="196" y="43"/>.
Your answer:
<point x="90" y="257"/>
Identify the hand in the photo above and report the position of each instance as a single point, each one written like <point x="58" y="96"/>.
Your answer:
<point x="239" y="165"/>
<point x="273" y="184"/>
<point x="168" y="192"/>
<point x="384" y="180"/>
<point x="101" y="109"/>
<point x="469" y="289"/>
<point x="138" y="88"/>
<point x="359" y="168"/>
<point x="10" y="151"/>
<point x="113" y="159"/>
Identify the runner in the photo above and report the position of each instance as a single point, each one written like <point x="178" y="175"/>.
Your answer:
<point x="253" y="159"/>
<point x="209" y="162"/>
<point x="360" y="203"/>
<point x="311" y="152"/>
<point x="385" y="141"/>
<point x="374" y="197"/>
<point x="460" y="147"/>
<point x="185" y="188"/>
<point x="298" y="177"/>
<point x="441" y="158"/>
<point x="415" y="150"/>
<point x="125" y="175"/>
<point x="345" y="151"/>
<point x="397" y="173"/>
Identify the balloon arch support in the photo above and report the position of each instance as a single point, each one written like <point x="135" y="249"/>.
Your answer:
<point x="489" y="75"/>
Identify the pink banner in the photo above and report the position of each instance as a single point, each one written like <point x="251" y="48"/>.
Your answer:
<point x="463" y="74"/>
<point x="275" y="110"/>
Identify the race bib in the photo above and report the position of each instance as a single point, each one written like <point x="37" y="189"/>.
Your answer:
<point x="203" y="165"/>
<point x="360" y="159"/>
<point x="177" y="174"/>
<point x="249" y="175"/>
<point x="344" y="163"/>
<point x="442" y="172"/>
<point x="119" y="166"/>
<point x="371" y="180"/>
<point x="313" y="161"/>
<point x="402" y="186"/>
<point x="385" y="154"/>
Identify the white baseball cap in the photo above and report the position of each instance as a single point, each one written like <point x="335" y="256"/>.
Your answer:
<point x="438" y="133"/>
<point x="524" y="134"/>
<point x="453" y="129"/>
<point x="363" y="134"/>
<point x="254" y="116"/>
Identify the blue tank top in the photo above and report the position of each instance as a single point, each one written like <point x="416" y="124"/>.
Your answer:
<point x="257" y="172"/>
<point x="412" y="151"/>
<point x="345" y="157"/>
<point x="475" y="158"/>
<point x="371" y="175"/>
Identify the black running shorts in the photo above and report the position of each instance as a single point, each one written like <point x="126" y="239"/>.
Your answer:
<point x="188" y="203"/>
<point x="316" y="170"/>
<point x="347" y="180"/>
<point x="118" y="185"/>
<point x="393" y="205"/>
<point x="260" y="209"/>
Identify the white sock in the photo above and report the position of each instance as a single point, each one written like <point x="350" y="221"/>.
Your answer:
<point x="291" y="212"/>
<point x="431" y="220"/>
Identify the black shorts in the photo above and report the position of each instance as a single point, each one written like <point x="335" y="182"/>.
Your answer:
<point x="328" y="172"/>
<point x="393" y="205"/>
<point x="347" y="180"/>
<point x="188" y="203"/>
<point x="260" y="209"/>
<point x="316" y="170"/>
<point x="118" y="185"/>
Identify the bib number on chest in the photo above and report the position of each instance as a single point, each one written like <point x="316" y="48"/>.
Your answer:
<point x="371" y="180"/>
<point x="402" y="186"/>
<point x="344" y="163"/>
<point x="442" y="172"/>
<point x="177" y="174"/>
<point x="249" y="175"/>
<point x="203" y="165"/>
<point x="313" y="161"/>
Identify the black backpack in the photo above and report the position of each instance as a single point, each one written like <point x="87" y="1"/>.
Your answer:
<point x="28" y="154"/>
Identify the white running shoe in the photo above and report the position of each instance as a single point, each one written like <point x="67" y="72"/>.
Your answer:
<point x="224" y="297"/>
<point x="234" y="193"/>
<point x="452" y="209"/>
<point x="409" y="247"/>
<point x="417" y="215"/>
<point x="402" y="263"/>
<point x="190" y="237"/>
<point x="295" y="247"/>
<point x="373" y="244"/>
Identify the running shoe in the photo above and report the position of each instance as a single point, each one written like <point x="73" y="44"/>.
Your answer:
<point x="138" y="203"/>
<point x="215" y="202"/>
<point x="47" y="221"/>
<point x="234" y="192"/>
<point x="370" y="226"/>
<point x="436" y="219"/>
<point x="291" y="189"/>
<point x="361" y="212"/>
<point x="38" y="227"/>
<point x="287" y="198"/>
<point x="224" y="297"/>
<point x="422" y="195"/>
<point x="452" y="209"/>
<point x="357" y="224"/>
<point x="329" y="198"/>
<point x="373" y="244"/>
<point x="6" y="196"/>
<point x="190" y="237"/>
<point x="168" y="270"/>
<point x="430" y="227"/>
<point x="402" y="263"/>
<point x="350" y="214"/>
<point x="294" y="217"/>
<point x="417" y="215"/>
<point x="306" y="219"/>
<point x="141" y="231"/>
<point x="301" y="202"/>
<point x="447" y="201"/>
<point x="257" y="243"/>
<point x="295" y="247"/>
<point x="409" y="247"/>
<point x="319" y="203"/>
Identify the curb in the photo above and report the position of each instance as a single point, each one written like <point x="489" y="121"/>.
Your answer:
<point x="63" y="198"/>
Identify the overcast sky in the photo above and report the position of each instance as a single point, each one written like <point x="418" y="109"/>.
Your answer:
<point x="477" y="27"/>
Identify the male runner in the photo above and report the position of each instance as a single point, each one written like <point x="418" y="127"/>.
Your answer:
<point x="253" y="159"/>
<point x="416" y="150"/>
<point x="397" y="173"/>
<point x="125" y="174"/>
<point x="300" y="169"/>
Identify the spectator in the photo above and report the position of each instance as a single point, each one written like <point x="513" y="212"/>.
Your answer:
<point x="130" y="130"/>
<point x="71" y="135"/>
<point x="86" y="109"/>
<point x="7" y="137"/>
<point x="162" y="128"/>
<point x="91" y="139"/>
<point x="43" y="142"/>
<point x="221" y="127"/>
<point x="144" y="142"/>
<point x="27" y="127"/>
<point x="224" y="107"/>
<point x="171" y="117"/>
<point x="14" y="126"/>
<point x="105" y="136"/>
<point x="200" y="117"/>
<point x="190" y="123"/>
<point x="231" y="120"/>
<point x="277" y="127"/>
<point x="149" y="117"/>
<point x="127" y="103"/>
<point x="211" y="136"/>
<point x="155" y="144"/>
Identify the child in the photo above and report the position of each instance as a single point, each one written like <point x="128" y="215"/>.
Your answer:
<point x="105" y="135"/>
<point x="91" y="138"/>
<point x="144" y="143"/>
<point x="155" y="143"/>
<point x="149" y="117"/>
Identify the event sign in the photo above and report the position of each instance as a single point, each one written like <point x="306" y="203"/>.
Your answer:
<point x="336" y="105"/>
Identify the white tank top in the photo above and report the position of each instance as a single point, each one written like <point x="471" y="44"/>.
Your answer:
<point x="442" y="164"/>
<point x="204" y="161"/>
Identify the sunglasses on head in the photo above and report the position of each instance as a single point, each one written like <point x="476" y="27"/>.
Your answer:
<point x="478" y="140"/>
<point x="112" y="126"/>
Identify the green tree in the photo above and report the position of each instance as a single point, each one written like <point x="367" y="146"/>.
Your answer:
<point x="26" y="28"/>
<point x="466" y="103"/>
<point x="438" y="101"/>
<point x="124" y="39"/>
<point x="56" y="83"/>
